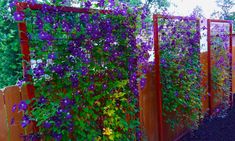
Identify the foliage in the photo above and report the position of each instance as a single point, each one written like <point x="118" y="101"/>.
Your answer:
<point x="231" y="17"/>
<point x="84" y="69"/>
<point x="9" y="48"/>
<point x="226" y="6"/>
<point x="151" y="5"/>
<point x="221" y="80"/>
<point x="180" y="69"/>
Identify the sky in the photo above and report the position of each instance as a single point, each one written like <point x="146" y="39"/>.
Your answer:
<point x="185" y="7"/>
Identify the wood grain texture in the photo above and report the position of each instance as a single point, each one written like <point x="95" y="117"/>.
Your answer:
<point x="13" y="96"/>
<point x="3" y="119"/>
<point x="149" y="117"/>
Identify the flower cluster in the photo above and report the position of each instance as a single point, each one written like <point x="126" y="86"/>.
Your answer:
<point x="220" y="67"/>
<point x="180" y="67"/>
<point x="86" y="71"/>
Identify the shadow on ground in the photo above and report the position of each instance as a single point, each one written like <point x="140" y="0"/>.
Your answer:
<point x="216" y="129"/>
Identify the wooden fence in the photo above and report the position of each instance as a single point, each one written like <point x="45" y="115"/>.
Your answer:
<point x="148" y="104"/>
<point x="9" y="130"/>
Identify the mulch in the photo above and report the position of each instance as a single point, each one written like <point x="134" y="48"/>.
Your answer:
<point x="220" y="128"/>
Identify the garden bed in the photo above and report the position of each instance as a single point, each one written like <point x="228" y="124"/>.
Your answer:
<point x="215" y="129"/>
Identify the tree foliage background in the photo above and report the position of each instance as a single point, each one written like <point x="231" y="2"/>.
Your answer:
<point x="10" y="62"/>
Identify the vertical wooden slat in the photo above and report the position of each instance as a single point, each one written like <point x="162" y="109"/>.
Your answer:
<point x="209" y="64"/>
<point x="231" y="61"/>
<point x="149" y="118"/>
<point x="12" y="96"/>
<point x="233" y="69"/>
<point x="24" y="94"/>
<point x="3" y="119"/>
<point x="158" y="79"/>
<point x="204" y="83"/>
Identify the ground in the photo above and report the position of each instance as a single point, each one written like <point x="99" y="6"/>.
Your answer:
<point x="215" y="129"/>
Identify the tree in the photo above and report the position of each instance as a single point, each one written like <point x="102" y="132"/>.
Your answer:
<point x="10" y="60"/>
<point x="231" y="17"/>
<point x="151" y="5"/>
<point x="198" y="12"/>
<point x="226" y="6"/>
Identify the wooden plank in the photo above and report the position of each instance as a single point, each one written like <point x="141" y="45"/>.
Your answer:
<point x="12" y="96"/>
<point x="24" y="94"/>
<point x="204" y="83"/>
<point x="3" y="119"/>
<point x="233" y="69"/>
<point x="149" y="118"/>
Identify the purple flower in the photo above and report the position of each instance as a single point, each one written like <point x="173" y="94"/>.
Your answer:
<point x="139" y="135"/>
<point x="164" y="63"/>
<point x="42" y="100"/>
<point x="101" y="3"/>
<point x="74" y="80"/>
<point x="135" y="91"/>
<point x="25" y="121"/>
<point x="65" y="102"/>
<point x="47" y="124"/>
<point x="66" y="26"/>
<point x="84" y="71"/>
<point x="14" y="108"/>
<point x="19" y="16"/>
<point x="112" y="3"/>
<point x="176" y="94"/>
<point x="48" y="19"/>
<point x="105" y="86"/>
<point x="38" y="71"/>
<point x="12" y="121"/>
<point x="59" y="70"/>
<point x="142" y="82"/>
<point x="20" y="83"/>
<point x="78" y="28"/>
<point x="88" y="4"/>
<point x="106" y="46"/>
<point x="84" y="18"/>
<point x="52" y="56"/>
<point x="13" y="3"/>
<point x="22" y="106"/>
<point x="89" y="46"/>
<point x="68" y="115"/>
<point x="60" y="111"/>
<point x="91" y="87"/>
<point x="57" y="136"/>
<point x="187" y="97"/>
<point x="45" y="36"/>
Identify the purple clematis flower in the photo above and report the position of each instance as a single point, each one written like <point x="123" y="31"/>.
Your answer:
<point x="14" y="108"/>
<point x="47" y="124"/>
<point x="19" y="16"/>
<point x="22" y="106"/>
<point x="68" y="115"/>
<point x="101" y="3"/>
<point x="42" y="100"/>
<point x="142" y="82"/>
<point x="91" y="87"/>
<point x="25" y="121"/>
<point x="45" y="36"/>
<point x="88" y="4"/>
<point x="65" y="102"/>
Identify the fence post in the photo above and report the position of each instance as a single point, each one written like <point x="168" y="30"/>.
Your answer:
<point x="231" y="59"/>
<point x="209" y="64"/>
<point x="24" y="43"/>
<point x="158" y="80"/>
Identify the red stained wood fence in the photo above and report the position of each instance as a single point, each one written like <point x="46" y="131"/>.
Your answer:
<point x="154" y="125"/>
<point x="150" y="114"/>
<point x="12" y="131"/>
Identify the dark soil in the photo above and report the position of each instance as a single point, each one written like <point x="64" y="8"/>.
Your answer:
<point x="215" y="129"/>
